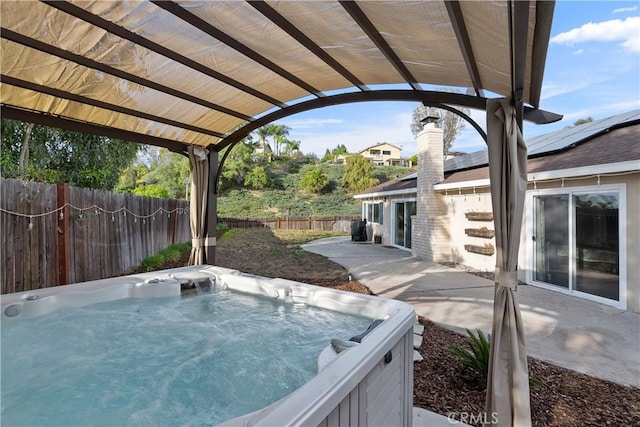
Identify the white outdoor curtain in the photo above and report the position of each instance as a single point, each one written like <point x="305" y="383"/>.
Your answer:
<point x="199" y="165"/>
<point x="508" y="381"/>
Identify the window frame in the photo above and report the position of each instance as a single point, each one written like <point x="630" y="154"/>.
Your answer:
<point x="373" y="212"/>
<point x="621" y="191"/>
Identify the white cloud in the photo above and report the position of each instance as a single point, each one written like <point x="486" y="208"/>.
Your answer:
<point x="551" y="89"/>
<point x="625" y="9"/>
<point x="311" y="123"/>
<point x="626" y="31"/>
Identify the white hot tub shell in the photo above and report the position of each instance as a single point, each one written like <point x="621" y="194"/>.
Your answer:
<point x="368" y="383"/>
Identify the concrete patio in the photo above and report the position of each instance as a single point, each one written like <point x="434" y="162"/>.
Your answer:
<point x="581" y="335"/>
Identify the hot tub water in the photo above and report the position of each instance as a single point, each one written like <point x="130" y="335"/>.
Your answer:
<point x="195" y="360"/>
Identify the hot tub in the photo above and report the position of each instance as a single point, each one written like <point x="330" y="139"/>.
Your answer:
<point x="365" y="383"/>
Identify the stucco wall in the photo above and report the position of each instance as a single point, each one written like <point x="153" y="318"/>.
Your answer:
<point x="386" y="229"/>
<point x="629" y="187"/>
<point x="633" y="242"/>
<point x="459" y="204"/>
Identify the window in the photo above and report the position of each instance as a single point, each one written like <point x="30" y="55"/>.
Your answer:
<point x="386" y="152"/>
<point x="373" y="211"/>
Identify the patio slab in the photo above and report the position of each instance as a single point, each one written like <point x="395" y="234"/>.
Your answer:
<point x="577" y="334"/>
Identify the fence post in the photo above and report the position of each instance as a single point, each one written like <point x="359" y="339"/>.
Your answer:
<point x="175" y="223"/>
<point x="63" y="235"/>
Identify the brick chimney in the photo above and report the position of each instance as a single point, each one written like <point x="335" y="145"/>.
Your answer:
<point x="430" y="233"/>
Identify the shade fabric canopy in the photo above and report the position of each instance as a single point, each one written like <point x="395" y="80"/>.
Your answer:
<point x="177" y="73"/>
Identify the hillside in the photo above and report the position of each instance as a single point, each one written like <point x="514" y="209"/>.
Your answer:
<point x="284" y="195"/>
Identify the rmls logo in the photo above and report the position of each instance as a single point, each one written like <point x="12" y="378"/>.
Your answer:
<point x="470" y="418"/>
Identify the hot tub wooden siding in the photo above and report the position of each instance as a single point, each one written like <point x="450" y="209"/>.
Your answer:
<point x="384" y="397"/>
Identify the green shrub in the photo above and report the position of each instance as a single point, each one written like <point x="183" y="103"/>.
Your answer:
<point x="170" y="253"/>
<point x="220" y="228"/>
<point x="315" y="181"/>
<point x="228" y="234"/>
<point x="477" y="359"/>
<point x="257" y="178"/>
<point x="153" y="262"/>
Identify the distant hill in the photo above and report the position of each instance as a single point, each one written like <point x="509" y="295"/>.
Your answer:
<point x="284" y="197"/>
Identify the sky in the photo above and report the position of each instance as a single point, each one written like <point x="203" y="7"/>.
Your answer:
<point x="592" y="70"/>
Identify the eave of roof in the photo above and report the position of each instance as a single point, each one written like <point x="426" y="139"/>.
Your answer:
<point x="378" y="145"/>
<point x="403" y="185"/>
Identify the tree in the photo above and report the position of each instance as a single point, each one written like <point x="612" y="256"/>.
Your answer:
<point x="153" y="190"/>
<point x="330" y="155"/>
<point x="279" y="134"/>
<point x="263" y="132"/>
<point x="257" y="178"/>
<point x="41" y="153"/>
<point x="131" y="177"/>
<point x="583" y="121"/>
<point x="449" y="122"/>
<point x="237" y="164"/>
<point x="314" y="181"/>
<point x="23" y="162"/>
<point x="291" y="146"/>
<point x="358" y="174"/>
<point x="169" y="173"/>
<point x="278" y="141"/>
<point x="340" y="149"/>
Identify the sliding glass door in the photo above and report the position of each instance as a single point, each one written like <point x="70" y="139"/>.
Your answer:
<point x="597" y="245"/>
<point x="551" y="240"/>
<point x="400" y="221"/>
<point x="402" y="212"/>
<point x="576" y="242"/>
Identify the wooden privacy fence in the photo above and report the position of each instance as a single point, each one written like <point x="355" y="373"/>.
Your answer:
<point x="57" y="234"/>
<point x="336" y="223"/>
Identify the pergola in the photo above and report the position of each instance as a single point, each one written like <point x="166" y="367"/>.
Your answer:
<point x="196" y="77"/>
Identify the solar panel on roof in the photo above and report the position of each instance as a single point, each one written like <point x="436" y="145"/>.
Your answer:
<point x="564" y="138"/>
<point x="413" y="175"/>
<point x="467" y="161"/>
<point x="549" y="142"/>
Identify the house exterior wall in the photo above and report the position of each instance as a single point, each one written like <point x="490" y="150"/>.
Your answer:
<point x="385" y="230"/>
<point x="479" y="200"/>
<point x="571" y="255"/>
<point x="376" y="155"/>
<point x="457" y="206"/>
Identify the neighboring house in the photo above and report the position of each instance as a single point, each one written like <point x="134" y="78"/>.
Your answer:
<point x="340" y="159"/>
<point x="581" y="228"/>
<point x="263" y="148"/>
<point x="383" y="154"/>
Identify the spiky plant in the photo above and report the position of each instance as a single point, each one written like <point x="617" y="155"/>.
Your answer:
<point x="476" y="358"/>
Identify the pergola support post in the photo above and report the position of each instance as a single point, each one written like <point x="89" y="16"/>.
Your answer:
<point x="212" y="210"/>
